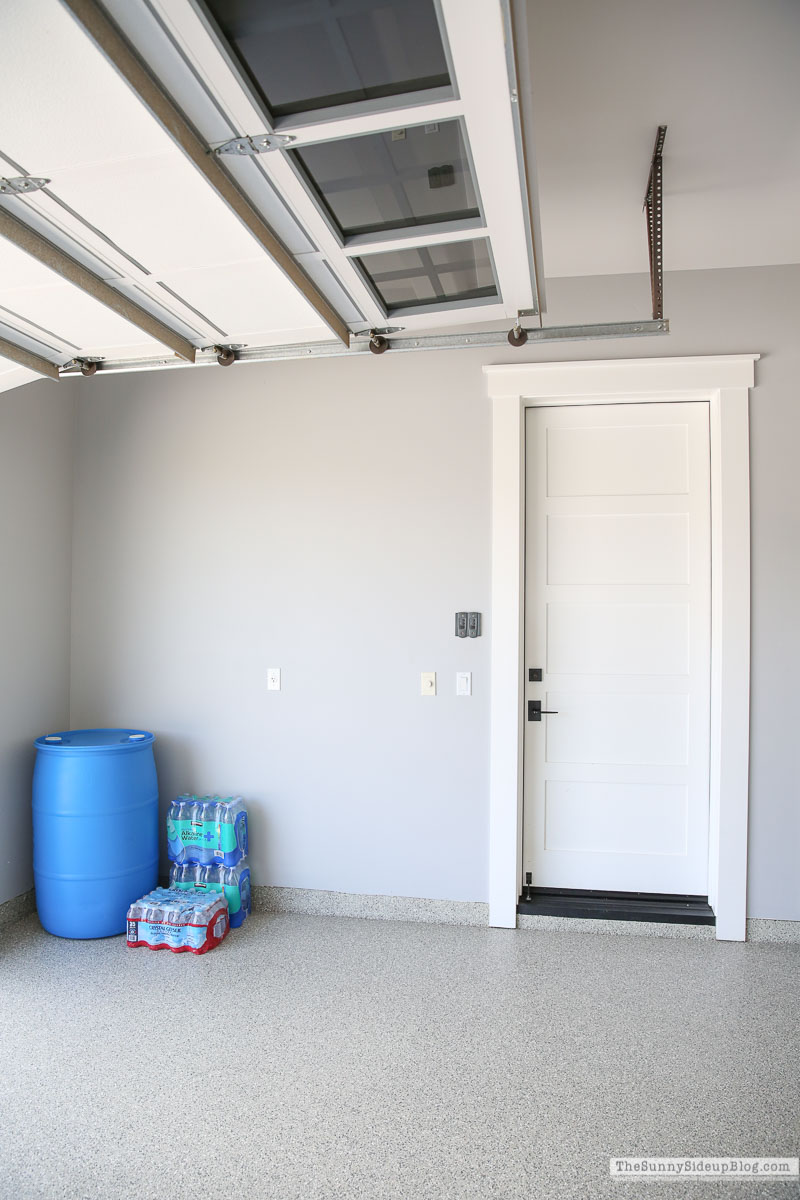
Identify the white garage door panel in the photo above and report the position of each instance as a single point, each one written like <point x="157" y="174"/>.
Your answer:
<point x="617" y="620"/>
<point x="619" y="818"/>
<point x="245" y="297"/>
<point x="621" y="639"/>
<point x="618" y="548"/>
<point x="607" y="728"/>
<point x="641" y="460"/>
<point x="34" y="292"/>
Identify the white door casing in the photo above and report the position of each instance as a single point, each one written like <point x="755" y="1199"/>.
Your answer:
<point x="618" y="619"/>
<point x="721" y="382"/>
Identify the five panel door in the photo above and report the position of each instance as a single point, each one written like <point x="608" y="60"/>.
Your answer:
<point x="618" y="620"/>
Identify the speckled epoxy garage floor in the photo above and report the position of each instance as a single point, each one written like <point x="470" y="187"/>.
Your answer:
<point x="323" y="1057"/>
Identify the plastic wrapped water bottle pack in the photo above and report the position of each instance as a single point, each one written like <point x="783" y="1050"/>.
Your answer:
<point x="207" y="829"/>
<point x="178" y="919"/>
<point x="233" y="882"/>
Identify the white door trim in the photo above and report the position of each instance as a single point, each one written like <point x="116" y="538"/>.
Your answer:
<point x="722" y="383"/>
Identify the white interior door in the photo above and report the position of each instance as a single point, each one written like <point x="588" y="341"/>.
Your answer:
<point x="618" y="619"/>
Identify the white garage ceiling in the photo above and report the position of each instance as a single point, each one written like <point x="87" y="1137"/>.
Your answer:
<point x="723" y="75"/>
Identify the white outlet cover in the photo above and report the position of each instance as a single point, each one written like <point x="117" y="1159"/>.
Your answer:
<point x="273" y="679"/>
<point x="428" y="683"/>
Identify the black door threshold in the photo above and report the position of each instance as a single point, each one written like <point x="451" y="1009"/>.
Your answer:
<point x="615" y="906"/>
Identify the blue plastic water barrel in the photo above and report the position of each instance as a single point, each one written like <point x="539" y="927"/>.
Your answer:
<point x="95" y="828"/>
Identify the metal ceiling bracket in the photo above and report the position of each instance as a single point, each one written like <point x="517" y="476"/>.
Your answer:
<point x="26" y="358"/>
<point x="385" y="330"/>
<point x="87" y="363"/>
<point x="21" y="185"/>
<point x="28" y="239"/>
<point x="653" y="208"/>
<point x="227" y="352"/>
<point x="105" y="34"/>
<point x="263" y="143"/>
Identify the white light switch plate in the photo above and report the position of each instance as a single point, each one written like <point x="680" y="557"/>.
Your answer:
<point x="463" y="683"/>
<point x="428" y="686"/>
<point x="273" y="679"/>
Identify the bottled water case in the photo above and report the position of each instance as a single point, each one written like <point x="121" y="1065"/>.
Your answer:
<point x="207" y="830"/>
<point x="233" y="882"/>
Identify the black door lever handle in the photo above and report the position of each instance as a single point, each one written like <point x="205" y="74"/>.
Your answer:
<point x="535" y="710"/>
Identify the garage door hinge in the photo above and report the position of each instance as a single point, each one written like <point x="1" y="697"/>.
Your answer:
<point x="262" y="143"/>
<point x="20" y="185"/>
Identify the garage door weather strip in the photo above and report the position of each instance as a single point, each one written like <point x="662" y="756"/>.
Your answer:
<point x="454" y="341"/>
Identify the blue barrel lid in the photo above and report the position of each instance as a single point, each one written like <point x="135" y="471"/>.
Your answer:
<point x="84" y="741"/>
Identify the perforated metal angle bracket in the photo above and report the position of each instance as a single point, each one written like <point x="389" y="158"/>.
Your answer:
<point x="262" y="143"/>
<point x="653" y="208"/>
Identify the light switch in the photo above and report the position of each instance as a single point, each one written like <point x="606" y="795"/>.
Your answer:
<point x="428" y="686"/>
<point x="273" y="679"/>
<point x="463" y="683"/>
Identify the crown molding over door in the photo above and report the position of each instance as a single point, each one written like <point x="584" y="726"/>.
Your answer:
<point x="723" y="383"/>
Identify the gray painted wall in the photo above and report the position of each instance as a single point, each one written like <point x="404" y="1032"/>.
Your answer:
<point x="325" y="518"/>
<point x="329" y="518"/>
<point x="35" y="548"/>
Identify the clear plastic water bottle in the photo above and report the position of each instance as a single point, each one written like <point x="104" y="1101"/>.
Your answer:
<point x="213" y="817"/>
<point x="185" y="803"/>
<point x="244" y="891"/>
<point x="174" y="846"/>
<point x="181" y="875"/>
<point x="197" y="812"/>
<point x="201" y="877"/>
<point x="232" y="818"/>
<point x="240" y="821"/>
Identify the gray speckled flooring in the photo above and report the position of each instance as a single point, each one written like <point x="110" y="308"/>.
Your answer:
<point x="328" y="1057"/>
